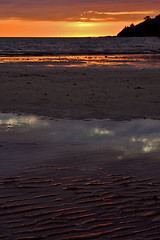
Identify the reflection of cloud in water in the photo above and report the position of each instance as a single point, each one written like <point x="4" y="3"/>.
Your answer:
<point x="11" y="121"/>
<point x="134" y="137"/>
<point x="101" y="131"/>
<point x="148" y="145"/>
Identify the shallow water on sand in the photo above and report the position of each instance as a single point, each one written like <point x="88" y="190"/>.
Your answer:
<point x="129" y="60"/>
<point x="29" y="140"/>
<point x="74" y="179"/>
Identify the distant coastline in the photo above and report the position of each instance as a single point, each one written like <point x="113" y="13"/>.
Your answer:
<point x="150" y="27"/>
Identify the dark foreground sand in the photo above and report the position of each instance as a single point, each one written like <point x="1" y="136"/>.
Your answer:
<point x="47" y="202"/>
<point x="110" y="92"/>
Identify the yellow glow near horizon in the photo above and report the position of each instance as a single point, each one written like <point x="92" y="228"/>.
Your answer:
<point x="22" y="28"/>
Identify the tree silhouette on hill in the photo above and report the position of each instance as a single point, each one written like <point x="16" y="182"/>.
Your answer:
<point x="148" y="28"/>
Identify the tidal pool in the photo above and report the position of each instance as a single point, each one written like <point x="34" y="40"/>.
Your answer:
<point x="131" y="146"/>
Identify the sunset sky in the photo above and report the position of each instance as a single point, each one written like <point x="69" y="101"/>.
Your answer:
<point x="71" y="18"/>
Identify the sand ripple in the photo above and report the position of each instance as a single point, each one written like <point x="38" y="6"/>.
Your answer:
<point x="46" y="202"/>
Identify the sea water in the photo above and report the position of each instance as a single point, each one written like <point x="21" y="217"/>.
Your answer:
<point x="78" y="46"/>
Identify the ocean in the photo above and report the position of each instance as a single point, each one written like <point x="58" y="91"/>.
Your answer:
<point x="78" y="46"/>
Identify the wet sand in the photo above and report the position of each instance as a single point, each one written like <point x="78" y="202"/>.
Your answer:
<point x="46" y="202"/>
<point x="74" y="194"/>
<point x="55" y="185"/>
<point x="115" y="92"/>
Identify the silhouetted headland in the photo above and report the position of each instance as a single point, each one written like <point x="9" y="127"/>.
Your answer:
<point x="148" y="28"/>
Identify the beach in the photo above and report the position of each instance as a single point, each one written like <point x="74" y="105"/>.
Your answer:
<point x="68" y="170"/>
<point x="115" y="92"/>
<point x="79" y="120"/>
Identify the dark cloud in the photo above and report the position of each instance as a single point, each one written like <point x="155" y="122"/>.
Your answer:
<point x="68" y="2"/>
<point x="73" y="10"/>
<point x="38" y="3"/>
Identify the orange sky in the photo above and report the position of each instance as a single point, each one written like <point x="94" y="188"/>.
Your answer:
<point x="23" y="28"/>
<point x="71" y="18"/>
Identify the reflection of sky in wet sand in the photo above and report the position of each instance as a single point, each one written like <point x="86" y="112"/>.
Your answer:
<point x="138" y="61"/>
<point x="12" y="121"/>
<point x="128" y="147"/>
<point x="136" y="136"/>
<point x="56" y="175"/>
